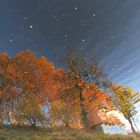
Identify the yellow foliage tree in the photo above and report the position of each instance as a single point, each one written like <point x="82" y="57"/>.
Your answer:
<point x="126" y="100"/>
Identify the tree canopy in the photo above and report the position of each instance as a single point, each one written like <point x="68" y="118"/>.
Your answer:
<point x="31" y="86"/>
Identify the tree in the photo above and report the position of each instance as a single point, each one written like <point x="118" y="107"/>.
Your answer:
<point x="126" y="100"/>
<point x="24" y="86"/>
<point x="78" y="73"/>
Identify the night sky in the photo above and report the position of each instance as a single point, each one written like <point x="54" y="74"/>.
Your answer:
<point x="111" y="28"/>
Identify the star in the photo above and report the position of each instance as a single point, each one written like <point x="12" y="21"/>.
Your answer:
<point x="83" y="41"/>
<point x="25" y="18"/>
<point x="76" y="8"/>
<point x="31" y="26"/>
<point x="10" y="40"/>
<point x="94" y="15"/>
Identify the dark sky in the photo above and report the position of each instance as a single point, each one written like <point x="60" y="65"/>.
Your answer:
<point x="109" y="27"/>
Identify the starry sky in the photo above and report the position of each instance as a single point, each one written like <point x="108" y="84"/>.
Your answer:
<point x="111" y="28"/>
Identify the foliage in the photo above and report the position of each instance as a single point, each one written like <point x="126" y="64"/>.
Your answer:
<point x="29" y="84"/>
<point x="80" y="84"/>
<point x="126" y="100"/>
<point x="23" y="86"/>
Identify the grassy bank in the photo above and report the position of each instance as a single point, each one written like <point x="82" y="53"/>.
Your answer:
<point x="26" y="133"/>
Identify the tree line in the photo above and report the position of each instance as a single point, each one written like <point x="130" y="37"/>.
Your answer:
<point x="33" y="92"/>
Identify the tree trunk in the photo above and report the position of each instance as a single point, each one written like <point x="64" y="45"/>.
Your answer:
<point x="33" y="122"/>
<point x="131" y="124"/>
<point x="83" y="110"/>
<point x="135" y="124"/>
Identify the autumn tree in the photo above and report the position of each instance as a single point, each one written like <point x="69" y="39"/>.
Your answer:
<point x="25" y="86"/>
<point x="126" y="100"/>
<point x="79" y="71"/>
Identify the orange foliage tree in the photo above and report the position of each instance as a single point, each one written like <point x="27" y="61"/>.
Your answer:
<point x="23" y="86"/>
<point x="76" y="78"/>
